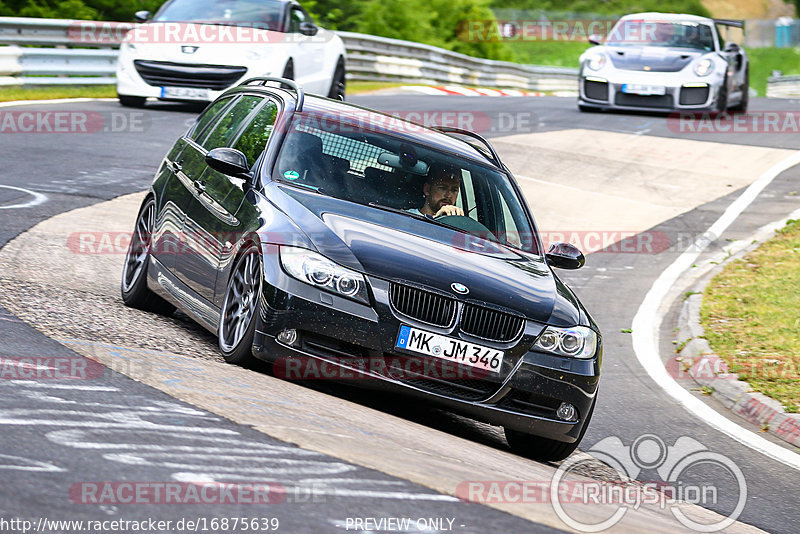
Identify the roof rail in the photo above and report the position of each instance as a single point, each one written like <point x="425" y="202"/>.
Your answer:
<point x="492" y="155"/>
<point x="283" y="81"/>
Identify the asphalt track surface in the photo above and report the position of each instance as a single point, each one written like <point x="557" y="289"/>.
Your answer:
<point x="75" y="170"/>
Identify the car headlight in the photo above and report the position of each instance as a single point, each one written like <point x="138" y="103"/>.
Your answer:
<point x="596" y="61"/>
<point x="315" y="269"/>
<point x="575" y="342"/>
<point x="704" y="67"/>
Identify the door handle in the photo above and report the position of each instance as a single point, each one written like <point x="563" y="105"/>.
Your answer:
<point x="200" y="186"/>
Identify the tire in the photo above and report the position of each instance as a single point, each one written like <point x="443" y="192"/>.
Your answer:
<point x="722" y="98"/>
<point x="237" y="321"/>
<point x="133" y="288"/>
<point x="741" y="107"/>
<point x="338" y="84"/>
<point x="543" y="449"/>
<point x="132" y="101"/>
<point x="288" y="71"/>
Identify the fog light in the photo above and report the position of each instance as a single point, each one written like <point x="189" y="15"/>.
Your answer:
<point x="288" y="337"/>
<point x="566" y="412"/>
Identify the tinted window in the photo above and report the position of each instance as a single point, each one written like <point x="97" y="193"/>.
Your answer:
<point x="206" y="117"/>
<point x="366" y="167"/>
<point x="662" y="33"/>
<point x="264" y="14"/>
<point x="229" y="122"/>
<point x="255" y="136"/>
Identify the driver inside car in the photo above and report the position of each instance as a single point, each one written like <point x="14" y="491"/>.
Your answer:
<point x="441" y="192"/>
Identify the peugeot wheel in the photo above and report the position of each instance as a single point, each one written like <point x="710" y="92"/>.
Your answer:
<point x="237" y="322"/>
<point x="339" y="83"/>
<point x="135" y="292"/>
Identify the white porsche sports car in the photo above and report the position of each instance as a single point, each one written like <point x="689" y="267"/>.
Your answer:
<point x="664" y="62"/>
<point x="193" y="50"/>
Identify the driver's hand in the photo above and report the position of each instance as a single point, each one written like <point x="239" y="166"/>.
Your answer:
<point x="449" y="210"/>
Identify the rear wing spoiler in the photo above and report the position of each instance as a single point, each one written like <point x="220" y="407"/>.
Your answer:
<point x="730" y="22"/>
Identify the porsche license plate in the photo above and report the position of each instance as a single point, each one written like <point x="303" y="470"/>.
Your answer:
<point x="637" y="89"/>
<point x="185" y="93"/>
<point x="448" y="348"/>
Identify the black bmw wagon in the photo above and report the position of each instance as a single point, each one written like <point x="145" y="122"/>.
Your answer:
<point x="339" y="242"/>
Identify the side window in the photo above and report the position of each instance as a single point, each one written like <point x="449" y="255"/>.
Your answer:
<point x="466" y="200"/>
<point x="296" y="17"/>
<point x="254" y="138"/>
<point x="206" y="117"/>
<point x="512" y="236"/>
<point x="229" y="122"/>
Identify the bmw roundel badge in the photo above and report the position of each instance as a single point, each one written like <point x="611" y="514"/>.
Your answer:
<point x="459" y="288"/>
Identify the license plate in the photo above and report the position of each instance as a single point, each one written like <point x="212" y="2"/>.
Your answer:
<point x="186" y="93"/>
<point x="448" y="348"/>
<point x="637" y="89"/>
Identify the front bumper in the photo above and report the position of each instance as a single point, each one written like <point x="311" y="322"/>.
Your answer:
<point x="130" y="80"/>
<point x="604" y="90"/>
<point x="355" y="344"/>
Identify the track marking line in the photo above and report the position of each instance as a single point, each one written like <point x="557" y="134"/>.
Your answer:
<point x="647" y="322"/>
<point x="38" y="198"/>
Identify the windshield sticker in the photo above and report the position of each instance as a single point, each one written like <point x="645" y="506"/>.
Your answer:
<point x="291" y="175"/>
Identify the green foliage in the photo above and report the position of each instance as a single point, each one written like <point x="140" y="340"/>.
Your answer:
<point x="606" y="7"/>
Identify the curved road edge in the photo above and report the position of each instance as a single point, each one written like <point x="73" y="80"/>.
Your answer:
<point x="284" y="410"/>
<point x="647" y="322"/>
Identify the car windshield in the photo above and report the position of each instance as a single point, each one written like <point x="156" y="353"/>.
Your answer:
<point x="662" y="33"/>
<point x="391" y="173"/>
<point x="265" y="14"/>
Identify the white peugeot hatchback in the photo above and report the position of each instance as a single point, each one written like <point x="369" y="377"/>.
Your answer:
<point x="192" y="50"/>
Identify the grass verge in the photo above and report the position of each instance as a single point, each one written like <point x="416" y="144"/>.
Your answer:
<point x="8" y="94"/>
<point x="750" y="317"/>
<point x="765" y="60"/>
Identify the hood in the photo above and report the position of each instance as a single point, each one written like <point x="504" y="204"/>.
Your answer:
<point x="397" y="247"/>
<point x="210" y="44"/>
<point x="651" y="58"/>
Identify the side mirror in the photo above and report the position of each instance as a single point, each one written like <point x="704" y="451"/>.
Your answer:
<point x="565" y="256"/>
<point x="307" y="28"/>
<point x="228" y="161"/>
<point x="141" y="16"/>
<point x="732" y="47"/>
<point x="596" y="39"/>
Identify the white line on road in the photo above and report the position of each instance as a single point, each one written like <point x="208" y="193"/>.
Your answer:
<point x="38" y="198"/>
<point x="647" y="322"/>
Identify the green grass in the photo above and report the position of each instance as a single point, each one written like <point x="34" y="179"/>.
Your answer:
<point x="554" y="53"/>
<point x="750" y="317"/>
<point x="765" y="60"/>
<point x="7" y="94"/>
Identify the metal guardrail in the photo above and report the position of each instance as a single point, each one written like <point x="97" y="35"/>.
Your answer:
<point x="783" y="87"/>
<point x="70" y="60"/>
<point x="73" y="60"/>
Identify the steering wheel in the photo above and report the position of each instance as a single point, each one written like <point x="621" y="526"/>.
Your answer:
<point x="468" y="225"/>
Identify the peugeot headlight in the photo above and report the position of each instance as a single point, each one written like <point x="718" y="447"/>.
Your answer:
<point x="704" y="67"/>
<point x="575" y="342"/>
<point x="596" y="61"/>
<point x="315" y="269"/>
